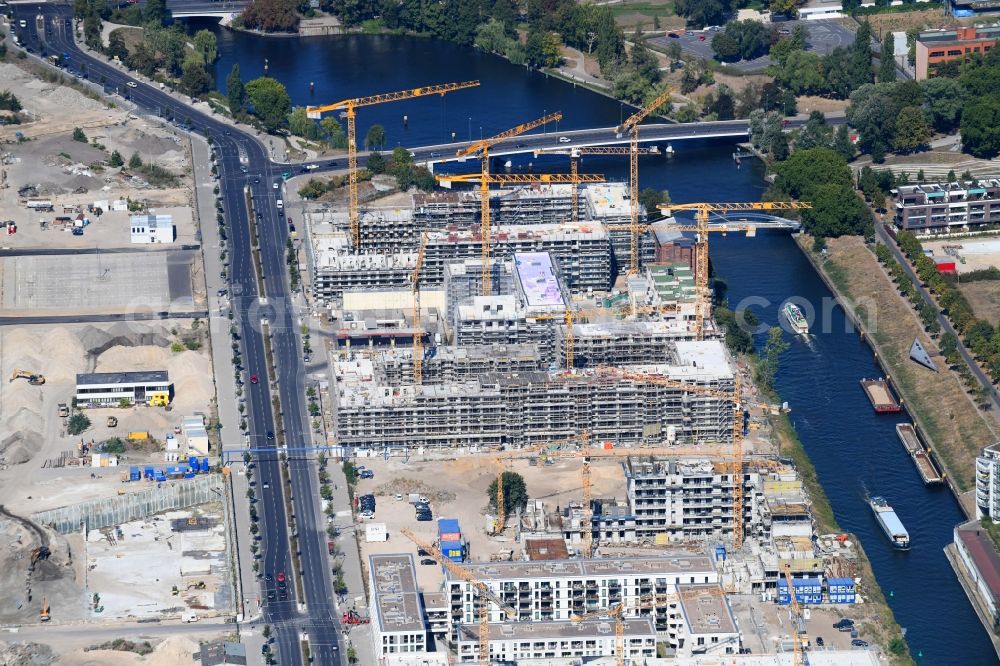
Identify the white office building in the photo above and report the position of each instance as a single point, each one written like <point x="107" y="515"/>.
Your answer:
<point x="397" y="610"/>
<point x="518" y="642"/>
<point x="152" y="228"/>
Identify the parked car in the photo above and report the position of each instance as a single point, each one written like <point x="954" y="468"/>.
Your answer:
<point x="858" y="643"/>
<point x="428" y="562"/>
<point x="820" y="642"/>
<point x="424" y="518"/>
<point x="367" y="474"/>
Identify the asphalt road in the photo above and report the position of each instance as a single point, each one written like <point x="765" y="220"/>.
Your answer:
<point x="982" y="377"/>
<point x="231" y="146"/>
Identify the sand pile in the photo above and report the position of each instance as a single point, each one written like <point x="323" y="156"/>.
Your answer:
<point x="174" y="650"/>
<point x="123" y="334"/>
<point x="25" y="654"/>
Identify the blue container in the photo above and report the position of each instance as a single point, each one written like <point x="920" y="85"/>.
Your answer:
<point x="453" y="550"/>
<point x="149" y="473"/>
<point x="204" y="465"/>
<point x="160" y="476"/>
<point x="193" y="461"/>
<point x="807" y="591"/>
<point x="720" y="553"/>
<point x="133" y="473"/>
<point x="448" y="526"/>
<point x="189" y="474"/>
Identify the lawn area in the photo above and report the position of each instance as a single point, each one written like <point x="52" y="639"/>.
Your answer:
<point x="642" y="12"/>
<point x="956" y="429"/>
<point x="984" y="297"/>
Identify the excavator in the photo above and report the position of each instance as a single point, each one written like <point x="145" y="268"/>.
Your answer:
<point x="43" y="616"/>
<point x="40" y="553"/>
<point x="33" y="379"/>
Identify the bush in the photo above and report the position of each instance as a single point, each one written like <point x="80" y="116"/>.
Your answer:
<point x="78" y="135"/>
<point x="78" y="423"/>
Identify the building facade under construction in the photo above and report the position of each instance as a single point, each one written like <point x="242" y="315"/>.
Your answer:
<point x="525" y="408"/>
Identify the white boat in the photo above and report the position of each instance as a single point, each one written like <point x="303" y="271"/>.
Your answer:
<point x="890" y="522"/>
<point x="793" y="315"/>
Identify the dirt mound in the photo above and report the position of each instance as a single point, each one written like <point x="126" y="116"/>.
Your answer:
<point x="19" y="447"/>
<point x="26" y="654"/>
<point x="96" y="341"/>
<point x="405" y="485"/>
<point x="175" y="650"/>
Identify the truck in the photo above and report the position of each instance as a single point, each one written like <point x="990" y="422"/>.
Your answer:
<point x="189" y="617"/>
<point x="63" y="410"/>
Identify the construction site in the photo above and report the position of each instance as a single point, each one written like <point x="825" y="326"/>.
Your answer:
<point x="530" y="363"/>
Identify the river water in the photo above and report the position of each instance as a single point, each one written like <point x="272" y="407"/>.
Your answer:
<point x="855" y="451"/>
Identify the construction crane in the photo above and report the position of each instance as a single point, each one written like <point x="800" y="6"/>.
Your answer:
<point x="703" y="228"/>
<point x="33" y="378"/>
<point x="632" y="127"/>
<point x="484" y="592"/>
<point x="577" y="152"/>
<point x="798" y="655"/>
<point x="44" y="616"/>
<point x="349" y="106"/>
<point x="418" y="329"/>
<point x="615" y="613"/>
<point x="482" y="149"/>
<point x="736" y="462"/>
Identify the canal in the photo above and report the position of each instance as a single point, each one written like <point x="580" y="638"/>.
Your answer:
<point x="855" y="451"/>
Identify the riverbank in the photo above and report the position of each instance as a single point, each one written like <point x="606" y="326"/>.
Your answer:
<point x="955" y="433"/>
<point x="875" y="614"/>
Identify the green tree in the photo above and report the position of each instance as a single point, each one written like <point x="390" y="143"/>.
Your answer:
<point x="195" y="79"/>
<point x="944" y="99"/>
<point x="650" y="198"/>
<point x="375" y="138"/>
<point x="862" y="55"/>
<point x="742" y="40"/>
<point x="78" y="135"/>
<point x="135" y="162"/>
<point x="700" y="13"/>
<point x="205" y="43"/>
<point x="335" y="136"/>
<point x="802" y="73"/>
<point x="376" y="163"/>
<point x="270" y="101"/>
<point x="515" y="493"/>
<point x="767" y="366"/>
<point x="77" y="423"/>
<point x="912" y="132"/>
<point x="116" y="47"/>
<point x="272" y="15"/>
<point x="300" y="124"/>
<point x="842" y="143"/>
<point x="116" y="159"/>
<point x="156" y="12"/>
<point x="887" y="61"/>
<point x="815" y="133"/>
<point x="980" y="127"/>
<point x="235" y="91"/>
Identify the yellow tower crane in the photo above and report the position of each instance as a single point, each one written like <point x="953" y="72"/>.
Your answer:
<point x="349" y="106"/>
<point x="485" y="595"/>
<point x="736" y="462"/>
<point x="482" y="150"/>
<point x="631" y="125"/>
<point x="418" y="329"/>
<point x="615" y="613"/>
<point x="703" y="228"/>
<point x="798" y="653"/>
<point x="576" y="153"/>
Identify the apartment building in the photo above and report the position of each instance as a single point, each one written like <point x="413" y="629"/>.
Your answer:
<point x="397" y="610"/>
<point x="464" y="279"/>
<point x="535" y="407"/>
<point x="935" y="47"/>
<point x="679" y="500"/>
<point x="947" y="207"/>
<point x="988" y="482"/>
<point x="707" y="626"/>
<point x="518" y="642"/>
<point x="558" y="590"/>
<point x="445" y="364"/>
<point x="498" y="320"/>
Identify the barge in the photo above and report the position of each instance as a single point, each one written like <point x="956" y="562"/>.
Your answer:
<point x="921" y="457"/>
<point x="880" y="395"/>
<point x="890" y="522"/>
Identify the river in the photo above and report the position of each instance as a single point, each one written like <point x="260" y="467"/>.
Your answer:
<point x="854" y="450"/>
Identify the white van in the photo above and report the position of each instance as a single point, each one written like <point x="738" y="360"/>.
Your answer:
<point x="189" y="617"/>
<point x="280" y="204"/>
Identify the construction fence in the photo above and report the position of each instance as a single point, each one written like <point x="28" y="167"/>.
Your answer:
<point x="164" y="496"/>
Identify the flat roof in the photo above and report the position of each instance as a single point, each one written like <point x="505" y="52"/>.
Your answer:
<point x="537" y="277"/>
<point x="595" y="628"/>
<point x="639" y="566"/>
<point x="984" y="555"/>
<point x="150" y="377"/>
<point x="546" y="549"/>
<point x="706" y="610"/>
<point x="397" y="599"/>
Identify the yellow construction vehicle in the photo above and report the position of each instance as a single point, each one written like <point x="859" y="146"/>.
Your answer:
<point x="485" y="595"/>
<point x="349" y="106"/>
<point x="482" y="150"/>
<point x="63" y="410"/>
<point x="158" y="399"/>
<point x="43" y="616"/>
<point x="33" y="378"/>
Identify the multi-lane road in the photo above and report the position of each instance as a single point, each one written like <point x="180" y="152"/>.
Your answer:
<point x="243" y="166"/>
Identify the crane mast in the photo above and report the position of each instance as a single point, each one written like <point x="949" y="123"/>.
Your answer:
<point x="350" y="106"/>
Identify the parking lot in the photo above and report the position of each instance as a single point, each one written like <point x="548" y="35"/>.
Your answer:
<point x="824" y="37"/>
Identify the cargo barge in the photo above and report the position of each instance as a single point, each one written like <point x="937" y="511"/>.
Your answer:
<point x="890" y="522"/>
<point x="921" y="457"/>
<point x="880" y="395"/>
